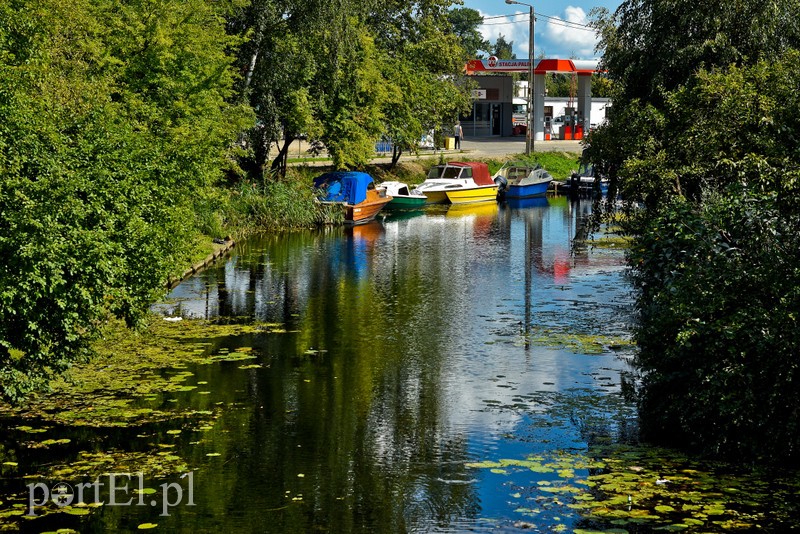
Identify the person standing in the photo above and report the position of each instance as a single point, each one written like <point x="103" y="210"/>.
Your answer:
<point x="459" y="133"/>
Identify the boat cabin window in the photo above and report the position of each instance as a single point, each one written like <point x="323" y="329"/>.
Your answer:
<point x="517" y="172"/>
<point x="450" y="172"/>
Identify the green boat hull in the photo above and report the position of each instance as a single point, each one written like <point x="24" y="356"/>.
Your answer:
<point x="404" y="203"/>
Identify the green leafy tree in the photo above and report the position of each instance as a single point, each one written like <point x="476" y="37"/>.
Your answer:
<point x="701" y="141"/>
<point x="351" y="114"/>
<point x="279" y="63"/>
<point x="422" y="70"/>
<point x="558" y="84"/>
<point x="111" y="120"/>
<point x="503" y="49"/>
<point x="465" y="23"/>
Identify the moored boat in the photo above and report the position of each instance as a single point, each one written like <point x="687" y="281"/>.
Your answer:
<point x="402" y="197"/>
<point x="458" y="182"/>
<point x="584" y="180"/>
<point x="524" y="180"/>
<point x="355" y="192"/>
<point x="485" y="193"/>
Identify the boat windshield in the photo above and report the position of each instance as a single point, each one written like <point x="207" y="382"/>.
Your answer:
<point x="450" y="172"/>
<point x="515" y="173"/>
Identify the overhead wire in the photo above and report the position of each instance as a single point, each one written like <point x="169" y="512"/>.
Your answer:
<point x="552" y="20"/>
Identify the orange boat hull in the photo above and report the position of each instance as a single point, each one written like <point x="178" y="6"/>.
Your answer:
<point x="365" y="211"/>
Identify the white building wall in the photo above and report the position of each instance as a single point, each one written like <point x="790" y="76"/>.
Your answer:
<point x="599" y="106"/>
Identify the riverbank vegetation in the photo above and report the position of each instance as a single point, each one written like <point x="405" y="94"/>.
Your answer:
<point x="112" y="121"/>
<point x="702" y="144"/>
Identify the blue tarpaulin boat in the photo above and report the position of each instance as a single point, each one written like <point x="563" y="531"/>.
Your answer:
<point x="355" y="191"/>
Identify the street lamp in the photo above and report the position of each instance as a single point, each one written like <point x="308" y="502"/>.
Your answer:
<point x="528" y="134"/>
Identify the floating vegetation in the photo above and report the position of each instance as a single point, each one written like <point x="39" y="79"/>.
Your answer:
<point x="91" y="464"/>
<point x="612" y="241"/>
<point x="626" y="488"/>
<point x="127" y="385"/>
<point x="130" y="367"/>
<point x="579" y="343"/>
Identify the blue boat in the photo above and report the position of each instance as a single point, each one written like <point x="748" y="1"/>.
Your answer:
<point x="355" y="192"/>
<point x="524" y="181"/>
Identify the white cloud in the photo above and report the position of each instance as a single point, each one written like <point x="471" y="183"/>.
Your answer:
<point x="553" y="37"/>
<point x="571" y="40"/>
<point x="513" y="29"/>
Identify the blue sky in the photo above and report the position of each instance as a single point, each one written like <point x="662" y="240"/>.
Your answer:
<point x="552" y="38"/>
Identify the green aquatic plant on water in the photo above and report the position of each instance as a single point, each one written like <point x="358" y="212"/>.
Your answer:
<point x="623" y="488"/>
<point x="133" y="367"/>
<point x="129" y="387"/>
<point x="579" y="343"/>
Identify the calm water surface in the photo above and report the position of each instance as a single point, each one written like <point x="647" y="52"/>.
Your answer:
<point x="410" y="352"/>
<point x="414" y="348"/>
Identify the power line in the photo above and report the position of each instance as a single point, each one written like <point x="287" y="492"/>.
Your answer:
<point x="553" y="20"/>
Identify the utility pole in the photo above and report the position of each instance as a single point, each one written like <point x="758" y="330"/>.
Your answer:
<point x="529" y="135"/>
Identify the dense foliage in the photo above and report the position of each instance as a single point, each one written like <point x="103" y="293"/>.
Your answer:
<point x="347" y="73"/>
<point x="111" y="117"/>
<point x="703" y="144"/>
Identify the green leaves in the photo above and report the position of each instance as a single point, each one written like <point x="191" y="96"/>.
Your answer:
<point x="109" y="128"/>
<point x="702" y="143"/>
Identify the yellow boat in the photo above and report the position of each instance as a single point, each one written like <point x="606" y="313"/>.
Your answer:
<point x="435" y="196"/>
<point x="484" y="193"/>
<point x="454" y="182"/>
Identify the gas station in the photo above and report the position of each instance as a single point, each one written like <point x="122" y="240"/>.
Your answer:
<point x="493" y="102"/>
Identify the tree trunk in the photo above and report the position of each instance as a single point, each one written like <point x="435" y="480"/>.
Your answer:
<point x="250" y="69"/>
<point x="280" y="162"/>
<point x="396" y="152"/>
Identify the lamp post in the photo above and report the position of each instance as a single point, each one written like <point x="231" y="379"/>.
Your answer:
<point x="528" y="134"/>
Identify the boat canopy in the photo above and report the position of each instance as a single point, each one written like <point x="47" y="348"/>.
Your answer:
<point x="480" y="171"/>
<point x="344" y="186"/>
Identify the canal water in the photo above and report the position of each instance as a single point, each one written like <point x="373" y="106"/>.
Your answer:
<point x="443" y="370"/>
<point x="415" y="345"/>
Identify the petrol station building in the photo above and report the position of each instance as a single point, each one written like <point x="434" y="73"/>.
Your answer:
<point x="492" y="113"/>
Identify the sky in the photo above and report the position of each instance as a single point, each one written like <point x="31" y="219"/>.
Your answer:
<point x="551" y="38"/>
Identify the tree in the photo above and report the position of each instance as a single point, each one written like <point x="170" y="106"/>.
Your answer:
<point x="421" y="69"/>
<point x="559" y="84"/>
<point x="503" y="49"/>
<point x="653" y="46"/>
<point x="701" y="141"/>
<point x="465" y="22"/>
<point x="279" y="62"/>
<point x="112" y="119"/>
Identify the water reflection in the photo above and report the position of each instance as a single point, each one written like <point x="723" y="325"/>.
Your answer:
<point x="407" y="354"/>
